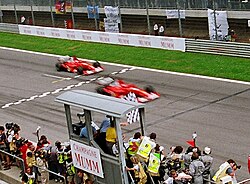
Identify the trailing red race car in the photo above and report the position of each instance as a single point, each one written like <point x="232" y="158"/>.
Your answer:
<point x="75" y="65"/>
<point x="119" y="89"/>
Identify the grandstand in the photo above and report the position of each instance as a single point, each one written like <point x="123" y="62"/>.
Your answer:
<point x="135" y="18"/>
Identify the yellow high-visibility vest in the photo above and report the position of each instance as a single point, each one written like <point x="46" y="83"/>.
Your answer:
<point x="154" y="163"/>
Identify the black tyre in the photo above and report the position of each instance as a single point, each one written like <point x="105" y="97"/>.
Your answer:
<point x="96" y="64"/>
<point x="149" y="89"/>
<point x="100" y="90"/>
<point x="80" y="70"/>
<point x="59" y="67"/>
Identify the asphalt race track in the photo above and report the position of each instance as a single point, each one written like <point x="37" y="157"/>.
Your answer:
<point x="219" y="111"/>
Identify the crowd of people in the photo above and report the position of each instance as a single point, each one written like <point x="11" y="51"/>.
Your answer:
<point x="42" y="160"/>
<point x="146" y="160"/>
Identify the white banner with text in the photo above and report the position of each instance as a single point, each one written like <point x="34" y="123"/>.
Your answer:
<point x="86" y="158"/>
<point x="161" y="42"/>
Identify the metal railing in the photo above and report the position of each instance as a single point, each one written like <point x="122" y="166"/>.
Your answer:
<point x="12" y="28"/>
<point x="218" y="47"/>
<point x="154" y="4"/>
<point x="16" y="157"/>
<point x="22" y="168"/>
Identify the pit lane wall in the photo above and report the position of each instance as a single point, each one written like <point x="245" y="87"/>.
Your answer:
<point x="160" y="42"/>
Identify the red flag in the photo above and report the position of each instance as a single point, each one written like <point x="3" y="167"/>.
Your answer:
<point x="249" y="164"/>
<point x="191" y="142"/>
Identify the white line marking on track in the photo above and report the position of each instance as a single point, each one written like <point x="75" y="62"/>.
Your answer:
<point x="53" y="76"/>
<point x="58" y="90"/>
<point x="135" y="67"/>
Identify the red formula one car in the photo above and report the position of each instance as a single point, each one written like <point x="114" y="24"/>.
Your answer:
<point x="119" y="89"/>
<point x="74" y="65"/>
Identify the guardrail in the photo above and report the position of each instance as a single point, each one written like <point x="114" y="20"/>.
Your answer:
<point x="12" y="28"/>
<point x="218" y="47"/>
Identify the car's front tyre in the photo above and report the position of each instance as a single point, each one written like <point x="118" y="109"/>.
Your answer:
<point x="59" y="67"/>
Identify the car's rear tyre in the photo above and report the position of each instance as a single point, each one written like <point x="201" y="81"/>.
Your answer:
<point x="80" y="70"/>
<point x="149" y="89"/>
<point x="100" y="90"/>
<point x="96" y="64"/>
<point x="59" y="67"/>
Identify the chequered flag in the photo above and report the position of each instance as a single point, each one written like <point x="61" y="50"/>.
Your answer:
<point x="132" y="116"/>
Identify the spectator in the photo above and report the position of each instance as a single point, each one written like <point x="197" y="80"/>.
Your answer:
<point x="60" y="151"/>
<point x="156" y="29"/>
<point x="43" y="142"/>
<point x="3" y="146"/>
<point x="81" y="177"/>
<point x="196" y="169"/>
<point x="28" y="177"/>
<point x="161" y="30"/>
<point x="52" y="162"/>
<point x="177" y="153"/>
<point x="207" y="161"/>
<point x="42" y="165"/>
<point x="23" y="20"/>
<point x="187" y="157"/>
<point x="175" y="177"/>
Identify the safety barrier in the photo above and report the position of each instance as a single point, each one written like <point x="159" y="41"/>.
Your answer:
<point x="41" y="168"/>
<point x="51" y="172"/>
<point x="218" y="47"/>
<point x="12" y="28"/>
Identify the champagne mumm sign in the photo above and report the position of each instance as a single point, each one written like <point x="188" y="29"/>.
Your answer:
<point x="86" y="158"/>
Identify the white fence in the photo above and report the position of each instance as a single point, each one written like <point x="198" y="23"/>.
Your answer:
<point x="169" y="43"/>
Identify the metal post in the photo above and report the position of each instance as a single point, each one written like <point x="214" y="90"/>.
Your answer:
<point x="32" y="13"/>
<point x="15" y="12"/>
<point x="96" y="24"/>
<point x="72" y="13"/>
<point x="51" y="13"/>
<point x="121" y="151"/>
<point x="69" y="120"/>
<point x="120" y="16"/>
<point x="179" y="17"/>
<point x="1" y="16"/>
<point x="88" y="121"/>
<point x="146" y="2"/>
<point x="215" y="22"/>
<point x="142" y="121"/>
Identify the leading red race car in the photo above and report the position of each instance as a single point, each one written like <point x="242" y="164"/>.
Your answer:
<point x="119" y="89"/>
<point x="75" y="65"/>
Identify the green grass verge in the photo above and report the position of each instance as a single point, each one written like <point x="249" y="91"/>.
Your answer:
<point x="193" y="63"/>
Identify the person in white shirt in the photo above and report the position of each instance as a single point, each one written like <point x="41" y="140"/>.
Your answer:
<point x="23" y="19"/>
<point x="161" y="30"/>
<point x="156" y="29"/>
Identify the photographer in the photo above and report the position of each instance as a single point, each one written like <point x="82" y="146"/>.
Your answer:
<point x="228" y="168"/>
